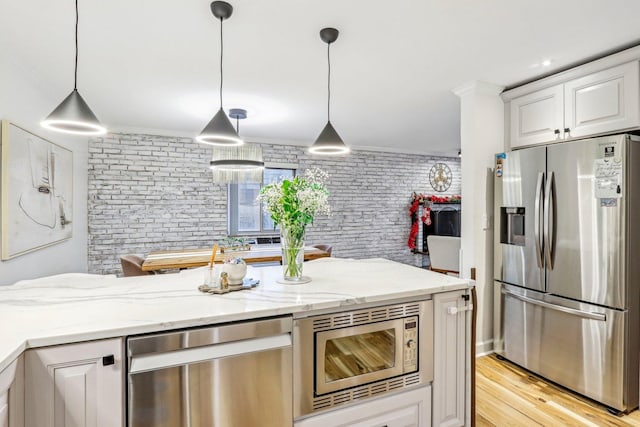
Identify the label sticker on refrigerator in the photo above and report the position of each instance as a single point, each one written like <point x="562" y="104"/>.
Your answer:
<point x="608" y="179"/>
<point x="610" y="151"/>
<point x="608" y="203"/>
<point x="499" y="160"/>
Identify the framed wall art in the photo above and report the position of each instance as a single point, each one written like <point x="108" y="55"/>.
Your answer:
<point x="36" y="191"/>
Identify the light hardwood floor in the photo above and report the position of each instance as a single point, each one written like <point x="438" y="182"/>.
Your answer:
<point x="507" y="395"/>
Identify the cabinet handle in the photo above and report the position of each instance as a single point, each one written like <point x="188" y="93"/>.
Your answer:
<point x="455" y="310"/>
<point x="108" y="360"/>
<point x="567" y="131"/>
<point x="557" y="133"/>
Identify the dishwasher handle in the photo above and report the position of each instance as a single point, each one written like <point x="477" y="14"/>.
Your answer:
<point x="155" y="361"/>
<point x="210" y="335"/>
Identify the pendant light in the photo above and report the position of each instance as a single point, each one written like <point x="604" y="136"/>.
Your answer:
<point x="237" y="164"/>
<point x="219" y="131"/>
<point x="329" y="142"/>
<point x="73" y="115"/>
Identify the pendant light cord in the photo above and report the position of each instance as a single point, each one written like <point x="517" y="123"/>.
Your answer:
<point x="75" y="73"/>
<point x="221" y="55"/>
<point x="328" y="83"/>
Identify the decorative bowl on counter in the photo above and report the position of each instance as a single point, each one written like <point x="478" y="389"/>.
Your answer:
<point x="236" y="269"/>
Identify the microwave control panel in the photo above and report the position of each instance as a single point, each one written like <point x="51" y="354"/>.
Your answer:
<point x="410" y="344"/>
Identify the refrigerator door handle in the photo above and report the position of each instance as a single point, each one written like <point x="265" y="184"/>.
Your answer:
<point x="549" y="220"/>
<point x="586" y="314"/>
<point x="537" y="217"/>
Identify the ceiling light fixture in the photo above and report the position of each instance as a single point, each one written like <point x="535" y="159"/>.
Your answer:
<point x="219" y="131"/>
<point x="237" y="164"/>
<point x="329" y="142"/>
<point x="73" y="115"/>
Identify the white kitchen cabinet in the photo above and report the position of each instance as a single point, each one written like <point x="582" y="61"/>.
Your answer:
<point x="406" y="409"/>
<point x="449" y="359"/>
<point x="75" y="385"/>
<point x="6" y="378"/>
<point x="601" y="102"/>
<point x="536" y="117"/>
<point x="11" y="398"/>
<point x="16" y="396"/>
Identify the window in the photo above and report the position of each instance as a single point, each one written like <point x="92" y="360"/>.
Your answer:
<point x="246" y="215"/>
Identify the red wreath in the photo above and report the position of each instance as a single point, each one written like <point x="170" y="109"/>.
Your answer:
<point x="416" y="200"/>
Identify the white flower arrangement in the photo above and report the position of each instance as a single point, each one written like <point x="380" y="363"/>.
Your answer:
<point x="294" y="203"/>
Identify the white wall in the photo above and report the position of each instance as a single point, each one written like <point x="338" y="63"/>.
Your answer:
<point x="481" y="136"/>
<point x="24" y="103"/>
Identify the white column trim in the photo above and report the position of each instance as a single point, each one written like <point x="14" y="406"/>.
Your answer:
<point x="477" y="86"/>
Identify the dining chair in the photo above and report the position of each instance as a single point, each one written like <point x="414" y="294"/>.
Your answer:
<point x="132" y="266"/>
<point x="325" y="248"/>
<point x="444" y="253"/>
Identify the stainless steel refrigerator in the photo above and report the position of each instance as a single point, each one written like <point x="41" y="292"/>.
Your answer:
<point x="567" y="264"/>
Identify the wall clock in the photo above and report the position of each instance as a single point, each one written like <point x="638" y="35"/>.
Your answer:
<point x="440" y="177"/>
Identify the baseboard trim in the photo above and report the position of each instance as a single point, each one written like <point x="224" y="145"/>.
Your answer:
<point x="483" y="348"/>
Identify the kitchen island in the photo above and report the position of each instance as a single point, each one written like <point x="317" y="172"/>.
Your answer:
<point x="80" y="309"/>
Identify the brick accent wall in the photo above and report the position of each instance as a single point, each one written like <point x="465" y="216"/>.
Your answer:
<point x="148" y="192"/>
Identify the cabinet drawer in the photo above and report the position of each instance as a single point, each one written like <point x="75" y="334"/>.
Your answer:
<point x="407" y="409"/>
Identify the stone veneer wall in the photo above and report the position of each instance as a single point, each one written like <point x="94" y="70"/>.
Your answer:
<point x="149" y="192"/>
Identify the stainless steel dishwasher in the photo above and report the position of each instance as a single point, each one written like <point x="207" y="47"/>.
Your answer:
<point x="237" y="374"/>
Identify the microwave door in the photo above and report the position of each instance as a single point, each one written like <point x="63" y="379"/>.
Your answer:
<point x="357" y="355"/>
<point x="519" y="213"/>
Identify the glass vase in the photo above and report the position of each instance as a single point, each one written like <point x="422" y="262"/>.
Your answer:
<point x="292" y="242"/>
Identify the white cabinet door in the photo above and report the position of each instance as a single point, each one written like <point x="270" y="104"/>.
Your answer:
<point x="449" y="359"/>
<point x="536" y="117"/>
<point x="73" y="386"/>
<point x="16" y="396"/>
<point x="11" y="381"/>
<point x="407" y="409"/>
<point x="605" y="101"/>
<point x="4" y="408"/>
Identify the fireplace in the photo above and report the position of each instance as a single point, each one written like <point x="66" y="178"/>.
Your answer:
<point x="445" y="221"/>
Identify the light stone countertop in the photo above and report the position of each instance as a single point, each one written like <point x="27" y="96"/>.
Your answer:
<point x="77" y="307"/>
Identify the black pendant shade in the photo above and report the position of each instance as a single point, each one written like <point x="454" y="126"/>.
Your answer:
<point x="219" y="131"/>
<point x="329" y="142"/>
<point x="73" y="115"/>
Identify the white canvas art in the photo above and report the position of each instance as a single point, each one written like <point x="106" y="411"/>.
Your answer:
<point x="37" y="192"/>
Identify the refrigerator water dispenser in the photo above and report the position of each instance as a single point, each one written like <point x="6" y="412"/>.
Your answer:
<point x="512" y="226"/>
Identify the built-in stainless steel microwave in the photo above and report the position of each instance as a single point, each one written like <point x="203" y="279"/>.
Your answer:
<point x="343" y="357"/>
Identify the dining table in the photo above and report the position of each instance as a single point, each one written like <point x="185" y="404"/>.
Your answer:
<point x="187" y="258"/>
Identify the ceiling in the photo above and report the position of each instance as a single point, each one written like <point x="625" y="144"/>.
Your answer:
<point x="153" y="65"/>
